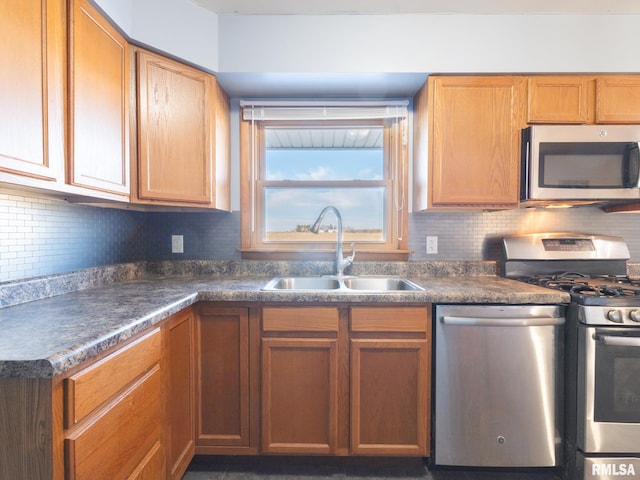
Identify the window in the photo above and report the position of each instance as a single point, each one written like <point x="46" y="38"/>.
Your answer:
<point x="298" y="160"/>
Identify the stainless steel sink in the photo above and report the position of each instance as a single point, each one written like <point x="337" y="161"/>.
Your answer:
<point x="380" y="284"/>
<point x="347" y="284"/>
<point x="303" y="283"/>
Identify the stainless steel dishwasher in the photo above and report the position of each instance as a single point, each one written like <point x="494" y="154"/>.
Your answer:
<point x="498" y="385"/>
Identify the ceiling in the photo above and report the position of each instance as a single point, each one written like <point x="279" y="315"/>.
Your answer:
<point x="373" y="7"/>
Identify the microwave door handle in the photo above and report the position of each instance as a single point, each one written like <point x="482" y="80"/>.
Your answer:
<point x="633" y="162"/>
<point x="525" y="153"/>
<point x="613" y="341"/>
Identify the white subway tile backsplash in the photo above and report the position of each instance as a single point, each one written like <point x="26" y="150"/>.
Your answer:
<point x="41" y="235"/>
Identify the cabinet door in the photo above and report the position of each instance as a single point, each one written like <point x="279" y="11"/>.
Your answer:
<point x="226" y="382"/>
<point x="301" y="386"/>
<point x="299" y="395"/>
<point x="389" y="396"/>
<point x="390" y="380"/>
<point x="559" y="99"/>
<point x="32" y="61"/>
<point x="175" y="137"/>
<point x="475" y="141"/>
<point x="98" y="102"/>
<point x="180" y="371"/>
<point x="618" y="99"/>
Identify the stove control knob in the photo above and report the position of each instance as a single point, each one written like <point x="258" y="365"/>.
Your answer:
<point x="615" y="316"/>
<point x="634" y="315"/>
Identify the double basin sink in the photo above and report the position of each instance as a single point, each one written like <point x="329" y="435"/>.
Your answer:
<point x="341" y="284"/>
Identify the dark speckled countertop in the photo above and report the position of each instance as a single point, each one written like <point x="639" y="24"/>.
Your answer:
<point x="46" y="337"/>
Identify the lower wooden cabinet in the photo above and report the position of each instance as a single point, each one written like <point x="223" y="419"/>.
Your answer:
<point x="152" y="466"/>
<point x="390" y="380"/>
<point x="118" y="432"/>
<point x="227" y="379"/>
<point x="300" y="380"/>
<point x="179" y="362"/>
<point x="339" y="380"/>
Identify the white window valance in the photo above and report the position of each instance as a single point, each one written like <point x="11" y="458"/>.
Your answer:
<point x="295" y="110"/>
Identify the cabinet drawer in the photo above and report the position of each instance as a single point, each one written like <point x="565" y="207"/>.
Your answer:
<point x="389" y="319"/>
<point x="118" y="441"/>
<point x="91" y="387"/>
<point x="297" y="319"/>
<point x="152" y="466"/>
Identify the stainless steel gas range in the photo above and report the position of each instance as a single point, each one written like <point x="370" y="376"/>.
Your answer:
<point x="602" y="362"/>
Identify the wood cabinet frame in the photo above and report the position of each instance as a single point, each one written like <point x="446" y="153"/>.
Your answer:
<point x="183" y="144"/>
<point x="227" y="371"/>
<point x="99" y="81"/>
<point x="33" y="89"/>
<point x="467" y="142"/>
<point x="180" y="387"/>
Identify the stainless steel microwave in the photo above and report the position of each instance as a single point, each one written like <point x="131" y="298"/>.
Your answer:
<point x="579" y="164"/>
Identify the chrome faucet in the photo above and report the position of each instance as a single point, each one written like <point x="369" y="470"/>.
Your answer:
<point x="341" y="263"/>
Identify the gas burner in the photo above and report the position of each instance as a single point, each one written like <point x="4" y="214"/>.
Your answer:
<point x="565" y="285"/>
<point x="615" y="291"/>
<point x="582" y="286"/>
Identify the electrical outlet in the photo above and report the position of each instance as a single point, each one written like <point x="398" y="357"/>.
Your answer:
<point x="177" y="244"/>
<point x="432" y="245"/>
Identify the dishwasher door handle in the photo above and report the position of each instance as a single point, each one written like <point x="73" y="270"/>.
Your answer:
<point x="503" y="322"/>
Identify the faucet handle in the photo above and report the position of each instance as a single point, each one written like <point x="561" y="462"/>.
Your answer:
<point x="352" y="257"/>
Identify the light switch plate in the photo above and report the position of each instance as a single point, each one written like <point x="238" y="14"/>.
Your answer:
<point x="177" y="244"/>
<point x="432" y="245"/>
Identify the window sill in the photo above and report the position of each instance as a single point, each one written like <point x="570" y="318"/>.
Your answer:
<point x="284" y="254"/>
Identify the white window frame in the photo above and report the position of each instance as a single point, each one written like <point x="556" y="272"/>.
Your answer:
<point x="392" y="116"/>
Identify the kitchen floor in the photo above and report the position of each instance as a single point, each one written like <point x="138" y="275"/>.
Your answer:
<point x="317" y="468"/>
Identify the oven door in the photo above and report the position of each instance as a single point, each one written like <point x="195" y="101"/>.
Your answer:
<point x="609" y="390"/>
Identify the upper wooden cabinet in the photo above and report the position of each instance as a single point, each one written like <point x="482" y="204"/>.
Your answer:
<point x="467" y="142"/>
<point x="32" y="86"/>
<point x="180" y="112"/>
<point x="587" y="99"/>
<point x="98" y="102"/>
<point x="618" y="99"/>
<point x="559" y="99"/>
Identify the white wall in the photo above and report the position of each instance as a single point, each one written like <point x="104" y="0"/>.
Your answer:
<point x="429" y="43"/>
<point x="381" y="43"/>
<point x="177" y="27"/>
<point x="120" y="11"/>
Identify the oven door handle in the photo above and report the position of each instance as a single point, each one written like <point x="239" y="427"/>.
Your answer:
<point x="615" y="341"/>
<point x="504" y="322"/>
